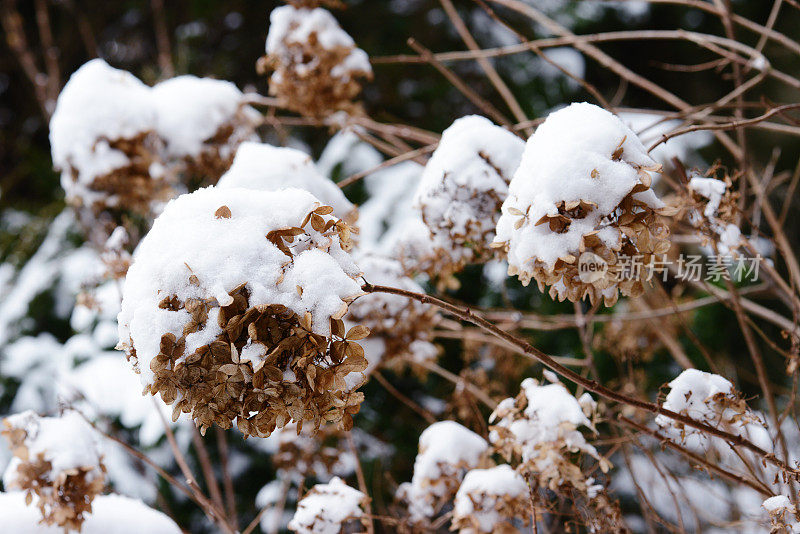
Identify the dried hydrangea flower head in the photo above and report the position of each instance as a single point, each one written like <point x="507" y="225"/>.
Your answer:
<point x="57" y="463"/>
<point x="400" y="328"/>
<point x="330" y="508"/>
<point x="711" y="399"/>
<point x="714" y="212"/>
<point x="270" y="168"/>
<point x="447" y="451"/>
<point x="300" y="455"/>
<point x="202" y="121"/>
<point x="540" y="428"/>
<point x="317" y="68"/>
<point x="494" y="501"/>
<point x="583" y="187"/>
<point x="232" y="310"/>
<point x="464" y="185"/>
<point x="103" y="140"/>
<point x="782" y="514"/>
<point x="111" y="514"/>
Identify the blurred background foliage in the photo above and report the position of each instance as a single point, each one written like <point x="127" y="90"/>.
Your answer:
<point x="223" y="39"/>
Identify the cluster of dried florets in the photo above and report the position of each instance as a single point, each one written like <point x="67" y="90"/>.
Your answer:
<point x="202" y="121"/>
<point x="57" y="464"/>
<point x="300" y="456"/>
<point x="103" y="140"/>
<point x="782" y="515"/>
<point x="330" y="508"/>
<point x="317" y="68"/>
<point x="400" y="328"/>
<point x="540" y="429"/>
<point x="583" y="188"/>
<point x="447" y="451"/>
<point x="714" y="211"/>
<point x="711" y="399"/>
<point x="269" y="168"/>
<point x="463" y="187"/>
<point x="494" y="500"/>
<point x="120" y="145"/>
<point x="252" y="333"/>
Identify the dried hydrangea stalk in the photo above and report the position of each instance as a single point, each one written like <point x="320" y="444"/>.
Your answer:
<point x="330" y="508"/>
<point x="251" y="334"/>
<point x="447" y="451"/>
<point x="711" y="399"/>
<point x="583" y="188"/>
<point x="269" y="168"/>
<point x="400" y="328"/>
<point x="463" y="187"/>
<point x="57" y="463"/>
<point x="317" y="68"/>
<point x="494" y="500"/>
<point x="103" y="140"/>
<point x="202" y="121"/>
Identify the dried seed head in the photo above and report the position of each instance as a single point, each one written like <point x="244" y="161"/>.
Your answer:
<point x="583" y="187"/>
<point x="317" y="68"/>
<point x="57" y="464"/>
<point x="227" y="337"/>
<point x="462" y="188"/>
<point x="491" y="500"/>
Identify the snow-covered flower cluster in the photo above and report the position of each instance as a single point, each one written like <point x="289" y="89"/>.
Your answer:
<point x="714" y="212"/>
<point x="120" y="144"/>
<point x="301" y="455"/>
<point x="330" y="508"/>
<point x="110" y="514"/>
<point x="493" y="501"/>
<point x="582" y="187"/>
<point x="317" y="68"/>
<point x="782" y="514"/>
<point x="265" y="167"/>
<point x="57" y="464"/>
<point x="399" y="327"/>
<point x="232" y="310"/>
<point x="540" y="428"/>
<point x="711" y="399"/>
<point x="447" y="451"/>
<point x="462" y="189"/>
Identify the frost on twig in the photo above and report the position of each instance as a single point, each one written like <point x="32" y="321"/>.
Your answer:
<point x="317" y="68"/>
<point x="447" y="451"/>
<point x="57" y="463"/>
<point x="462" y="189"/>
<point x="232" y="310"/>
<point x="494" y="500"/>
<point x="269" y="168"/>
<point x="202" y="121"/>
<point x="583" y="186"/>
<point x="329" y="509"/>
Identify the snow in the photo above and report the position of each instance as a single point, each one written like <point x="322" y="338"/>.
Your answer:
<point x="111" y="514"/>
<point x="709" y="188"/>
<point x="728" y="235"/>
<point x="98" y="104"/>
<point x="177" y="246"/>
<point x="569" y="158"/>
<point x="481" y="490"/>
<point x="67" y="442"/>
<point x="191" y="110"/>
<point x="269" y="168"/>
<point x="778" y="503"/>
<point x="552" y="415"/>
<point x="327" y="508"/>
<point x="465" y="181"/>
<point x="290" y="25"/>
